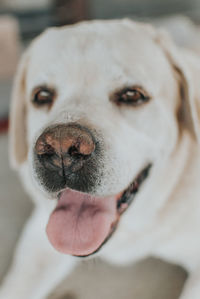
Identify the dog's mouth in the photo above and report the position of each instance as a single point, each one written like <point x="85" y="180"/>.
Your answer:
<point x="81" y="223"/>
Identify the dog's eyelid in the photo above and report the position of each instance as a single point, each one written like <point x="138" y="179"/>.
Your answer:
<point x="43" y="95"/>
<point x="131" y="95"/>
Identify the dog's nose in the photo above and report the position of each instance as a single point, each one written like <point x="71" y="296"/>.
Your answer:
<point x="65" y="148"/>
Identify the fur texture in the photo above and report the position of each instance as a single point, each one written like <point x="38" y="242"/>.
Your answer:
<point x="86" y="63"/>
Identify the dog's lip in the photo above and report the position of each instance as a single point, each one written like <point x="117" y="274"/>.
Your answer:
<point x="123" y="201"/>
<point x="133" y="188"/>
<point x="127" y="196"/>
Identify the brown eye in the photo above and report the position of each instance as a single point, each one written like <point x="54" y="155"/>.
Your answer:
<point x="131" y="96"/>
<point x="43" y="96"/>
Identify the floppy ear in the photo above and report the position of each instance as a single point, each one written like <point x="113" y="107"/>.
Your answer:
<point x="18" y="143"/>
<point x="186" y="64"/>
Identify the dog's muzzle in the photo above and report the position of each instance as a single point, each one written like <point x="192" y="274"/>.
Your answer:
<point x="65" y="155"/>
<point x="68" y="162"/>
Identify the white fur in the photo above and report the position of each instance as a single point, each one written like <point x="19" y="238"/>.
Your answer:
<point x="86" y="63"/>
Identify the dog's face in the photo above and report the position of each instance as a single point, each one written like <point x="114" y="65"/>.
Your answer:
<point x="101" y="102"/>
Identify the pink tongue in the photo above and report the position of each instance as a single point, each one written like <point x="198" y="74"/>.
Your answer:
<point x="81" y="222"/>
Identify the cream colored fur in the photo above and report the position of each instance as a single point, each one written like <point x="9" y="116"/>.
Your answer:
<point x="95" y="59"/>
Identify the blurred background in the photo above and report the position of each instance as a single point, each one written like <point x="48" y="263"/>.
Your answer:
<point x="20" y="22"/>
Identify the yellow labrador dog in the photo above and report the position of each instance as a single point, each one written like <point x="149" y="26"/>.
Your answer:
<point x="105" y="134"/>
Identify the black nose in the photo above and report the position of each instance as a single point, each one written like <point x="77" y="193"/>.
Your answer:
<point x="63" y="154"/>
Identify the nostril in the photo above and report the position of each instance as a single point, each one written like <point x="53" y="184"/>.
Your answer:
<point x="43" y="148"/>
<point x="48" y="149"/>
<point x="73" y="151"/>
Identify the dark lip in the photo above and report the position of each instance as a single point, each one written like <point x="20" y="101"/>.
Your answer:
<point x="129" y="194"/>
<point x="126" y="198"/>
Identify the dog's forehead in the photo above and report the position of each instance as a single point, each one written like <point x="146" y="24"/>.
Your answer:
<point x="96" y="51"/>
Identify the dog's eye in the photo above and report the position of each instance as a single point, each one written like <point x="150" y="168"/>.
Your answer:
<point x="43" y="96"/>
<point x="131" y="96"/>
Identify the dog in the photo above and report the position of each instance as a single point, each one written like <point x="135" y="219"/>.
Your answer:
<point x="105" y="136"/>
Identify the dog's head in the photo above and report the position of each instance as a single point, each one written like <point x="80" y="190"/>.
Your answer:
<point x="96" y="107"/>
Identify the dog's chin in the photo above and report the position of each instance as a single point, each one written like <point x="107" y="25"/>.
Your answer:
<point x="81" y="223"/>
